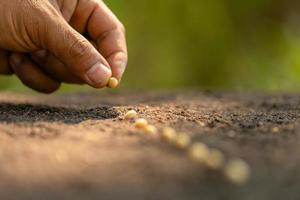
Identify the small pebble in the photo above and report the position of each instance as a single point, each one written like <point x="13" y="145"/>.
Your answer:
<point x="215" y="159"/>
<point x="199" y="152"/>
<point x="237" y="171"/>
<point x="168" y="135"/>
<point x="113" y="82"/>
<point x="132" y="114"/>
<point x="183" y="141"/>
<point x="141" y="123"/>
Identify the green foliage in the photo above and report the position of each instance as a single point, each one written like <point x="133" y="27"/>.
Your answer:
<point x="210" y="44"/>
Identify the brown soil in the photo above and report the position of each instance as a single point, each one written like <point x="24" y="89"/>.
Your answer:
<point x="78" y="147"/>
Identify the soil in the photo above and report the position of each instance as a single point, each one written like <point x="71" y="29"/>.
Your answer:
<point x="79" y="147"/>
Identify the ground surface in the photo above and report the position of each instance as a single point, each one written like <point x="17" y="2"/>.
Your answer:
<point x="78" y="146"/>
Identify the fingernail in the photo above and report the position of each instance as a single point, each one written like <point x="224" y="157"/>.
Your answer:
<point x="15" y="60"/>
<point x="122" y="68"/>
<point x="99" y="74"/>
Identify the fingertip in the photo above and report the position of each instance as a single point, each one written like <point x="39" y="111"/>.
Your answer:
<point x="49" y="90"/>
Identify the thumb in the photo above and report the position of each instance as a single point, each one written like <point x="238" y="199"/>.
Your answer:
<point x="76" y="52"/>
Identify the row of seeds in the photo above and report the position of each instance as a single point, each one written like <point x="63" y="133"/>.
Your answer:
<point x="235" y="170"/>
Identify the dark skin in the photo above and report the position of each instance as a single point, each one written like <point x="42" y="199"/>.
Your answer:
<point x="48" y="42"/>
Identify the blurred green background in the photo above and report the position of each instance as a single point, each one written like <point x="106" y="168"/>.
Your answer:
<point x="224" y="44"/>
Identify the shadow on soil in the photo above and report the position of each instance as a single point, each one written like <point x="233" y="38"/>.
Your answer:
<point x="12" y="113"/>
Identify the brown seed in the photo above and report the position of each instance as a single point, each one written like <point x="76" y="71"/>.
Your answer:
<point x="141" y="123"/>
<point x="237" y="171"/>
<point x="132" y="114"/>
<point x="113" y="82"/>
<point x="215" y="159"/>
<point x="168" y="135"/>
<point x="199" y="152"/>
<point x="183" y="141"/>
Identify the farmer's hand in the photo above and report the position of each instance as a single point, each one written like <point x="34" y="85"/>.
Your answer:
<point x="48" y="36"/>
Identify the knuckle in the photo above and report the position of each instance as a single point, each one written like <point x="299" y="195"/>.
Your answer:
<point x="79" y="48"/>
<point x="34" y="7"/>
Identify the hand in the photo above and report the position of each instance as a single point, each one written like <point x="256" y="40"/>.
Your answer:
<point x="48" y="36"/>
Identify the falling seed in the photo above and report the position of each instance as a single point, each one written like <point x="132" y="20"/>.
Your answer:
<point x="141" y="123"/>
<point x="150" y="129"/>
<point x="215" y="159"/>
<point x="183" y="141"/>
<point x="113" y="82"/>
<point x="237" y="171"/>
<point x="168" y="135"/>
<point x="132" y="114"/>
<point x="199" y="152"/>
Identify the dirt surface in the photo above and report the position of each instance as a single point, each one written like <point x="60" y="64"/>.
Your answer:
<point x="78" y="147"/>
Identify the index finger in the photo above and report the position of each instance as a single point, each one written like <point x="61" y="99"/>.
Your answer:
<point x="109" y="35"/>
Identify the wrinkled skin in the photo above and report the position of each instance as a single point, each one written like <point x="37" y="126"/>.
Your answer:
<point x="47" y="42"/>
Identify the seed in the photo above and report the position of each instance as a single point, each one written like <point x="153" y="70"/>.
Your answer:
<point x="132" y="114"/>
<point x="168" y="135"/>
<point x="113" y="82"/>
<point x="202" y="124"/>
<point x="141" y="123"/>
<point x="215" y="159"/>
<point x="237" y="171"/>
<point x="183" y="141"/>
<point x="150" y="129"/>
<point x="199" y="152"/>
<point x="275" y="129"/>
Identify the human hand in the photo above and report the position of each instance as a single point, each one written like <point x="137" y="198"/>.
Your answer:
<point x="48" y="36"/>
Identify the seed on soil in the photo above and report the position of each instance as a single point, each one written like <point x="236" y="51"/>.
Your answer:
<point x="141" y="123"/>
<point x="182" y="141"/>
<point x="150" y="129"/>
<point x="199" y="152"/>
<point x="132" y="114"/>
<point x="113" y="82"/>
<point x="202" y="124"/>
<point x="237" y="171"/>
<point x="168" y="135"/>
<point x="215" y="159"/>
<point x="275" y="130"/>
